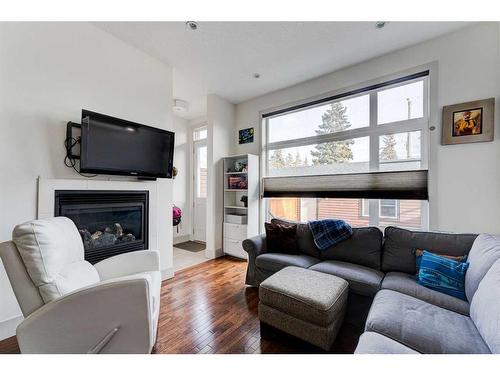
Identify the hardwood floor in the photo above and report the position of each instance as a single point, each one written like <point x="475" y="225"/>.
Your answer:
<point x="208" y="309"/>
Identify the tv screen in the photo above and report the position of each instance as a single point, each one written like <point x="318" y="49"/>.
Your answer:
<point x="114" y="146"/>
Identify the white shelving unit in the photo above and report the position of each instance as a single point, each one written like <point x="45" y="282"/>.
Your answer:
<point x="241" y="178"/>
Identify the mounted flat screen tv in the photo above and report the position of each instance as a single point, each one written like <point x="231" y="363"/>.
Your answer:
<point x="111" y="145"/>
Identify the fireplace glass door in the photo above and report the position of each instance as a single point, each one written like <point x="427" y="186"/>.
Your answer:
<point x="109" y="223"/>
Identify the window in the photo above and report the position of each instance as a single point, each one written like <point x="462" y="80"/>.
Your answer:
<point x="382" y="128"/>
<point x="388" y="208"/>
<point x="400" y="103"/>
<point x="200" y="134"/>
<point x="317" y="158"/>
<point x="403" y="213"/>
<point x="200" y="161"/>
<point x="201" y="171"/>
<point x="365" y="208"/>
<point x="355" y="114"/>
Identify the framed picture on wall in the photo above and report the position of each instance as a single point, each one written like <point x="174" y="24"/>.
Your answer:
<point x="246" y="136"/>
<point x="468" y="122"/>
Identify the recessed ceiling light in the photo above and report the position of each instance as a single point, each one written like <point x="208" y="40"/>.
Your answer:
<point x="380" y="24"/>
<point x="256" y="75"/>
<point x="192" y="25"/>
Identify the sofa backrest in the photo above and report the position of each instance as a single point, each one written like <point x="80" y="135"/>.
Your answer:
<point x="305" y="242"/>
<point x="363" y="247"/>
<point x="399" y="247"/>
<point x="52" y="252"/>
<point x="484" y="252"/>
<point x="485" y="308"/>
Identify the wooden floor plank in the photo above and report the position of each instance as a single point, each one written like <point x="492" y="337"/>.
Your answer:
<point x="208" y="309"/>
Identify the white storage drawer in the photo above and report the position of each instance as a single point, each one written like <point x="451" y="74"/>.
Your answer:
<point x="235" y="231"/>
<point x="236" y="218"/>
<point x="234" y="248"/>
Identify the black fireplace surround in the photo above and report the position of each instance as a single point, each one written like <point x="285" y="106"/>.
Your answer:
<point x="110" y="222"/>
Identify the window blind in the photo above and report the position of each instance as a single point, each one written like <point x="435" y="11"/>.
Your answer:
<point x="346" y="94"/>
<point x="373" y="185"/>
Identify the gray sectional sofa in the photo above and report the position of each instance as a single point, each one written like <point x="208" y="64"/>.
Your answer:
<point x="399" y="315"/>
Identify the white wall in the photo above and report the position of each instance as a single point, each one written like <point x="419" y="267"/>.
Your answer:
<point x="220" y="125"/>
<point x="465" y="179"/>
<point x="48" y="73"/>
<point x="181" y="184"/>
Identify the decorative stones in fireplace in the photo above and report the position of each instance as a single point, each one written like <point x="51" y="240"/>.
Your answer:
<point x="110" y="222"/>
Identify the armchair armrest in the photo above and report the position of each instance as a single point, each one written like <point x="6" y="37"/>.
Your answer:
<point x="109" y="317"/>
<point x="128" y="264"/>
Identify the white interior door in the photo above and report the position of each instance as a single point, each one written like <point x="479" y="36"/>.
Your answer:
<point x="200" y="191"/>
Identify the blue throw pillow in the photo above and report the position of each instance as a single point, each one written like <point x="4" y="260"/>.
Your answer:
<point x="443" y="274"/>
<point x="419" y="253"/>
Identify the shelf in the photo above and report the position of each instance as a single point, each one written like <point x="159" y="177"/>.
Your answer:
<point x="239" y="183"/>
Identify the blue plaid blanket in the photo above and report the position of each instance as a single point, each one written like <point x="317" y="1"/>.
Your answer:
<point x="329" y="232"/>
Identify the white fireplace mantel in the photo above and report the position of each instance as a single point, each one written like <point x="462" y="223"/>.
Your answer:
<point x="159" y="220"/>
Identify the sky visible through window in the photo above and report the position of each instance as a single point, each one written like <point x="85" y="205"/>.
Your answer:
<point x="393" y="104"/>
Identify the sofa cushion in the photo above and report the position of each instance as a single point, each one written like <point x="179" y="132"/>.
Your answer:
<point x="364" y="247"/>
<point x="305" y="241"/>
<point x="484" y="252"/>
<point x="312" y="296"/>
<point x="276" y="261"/>
<point x="362" y="280"/>
<point x="407" y="284"/>
<point x="374" y="343"/>
<point x="400" y="246"/>
<point x="52" y="252"/>
<point x="485" y="308"/>
<point x="423" y="326"/>
<point x="281" y="237"/>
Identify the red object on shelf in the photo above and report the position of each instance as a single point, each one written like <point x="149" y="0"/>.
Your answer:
<point x="237" y="182"/>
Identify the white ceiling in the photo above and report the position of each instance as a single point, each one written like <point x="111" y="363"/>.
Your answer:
<point x="221" y="57"/>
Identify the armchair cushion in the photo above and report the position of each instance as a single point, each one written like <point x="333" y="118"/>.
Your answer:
<point x="52" y="251"/>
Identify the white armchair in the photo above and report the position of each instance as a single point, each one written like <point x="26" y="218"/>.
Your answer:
<point x="71" y="306"/>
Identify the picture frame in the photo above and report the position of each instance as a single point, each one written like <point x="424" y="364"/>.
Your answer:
<point x="246" y="135"/>
<point x="468" y="122"/>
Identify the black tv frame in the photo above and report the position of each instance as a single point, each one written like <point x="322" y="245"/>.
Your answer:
<point x="119" y="121"/>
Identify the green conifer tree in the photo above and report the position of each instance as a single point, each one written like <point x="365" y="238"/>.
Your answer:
<point x="334" y="120"/>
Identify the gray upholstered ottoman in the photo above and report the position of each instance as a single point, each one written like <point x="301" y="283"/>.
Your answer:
<point x="307" y="304"/>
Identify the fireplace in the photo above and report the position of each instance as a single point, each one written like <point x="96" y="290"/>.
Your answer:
<point x="110" y="222"/>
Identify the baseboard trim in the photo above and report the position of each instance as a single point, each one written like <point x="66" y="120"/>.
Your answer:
<point x="8" y="327"/>
<point x="212" y="254"/>
<point x="219" y="253"/>
<point x="180" y="239"/>
<point x="167" y="273"/>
